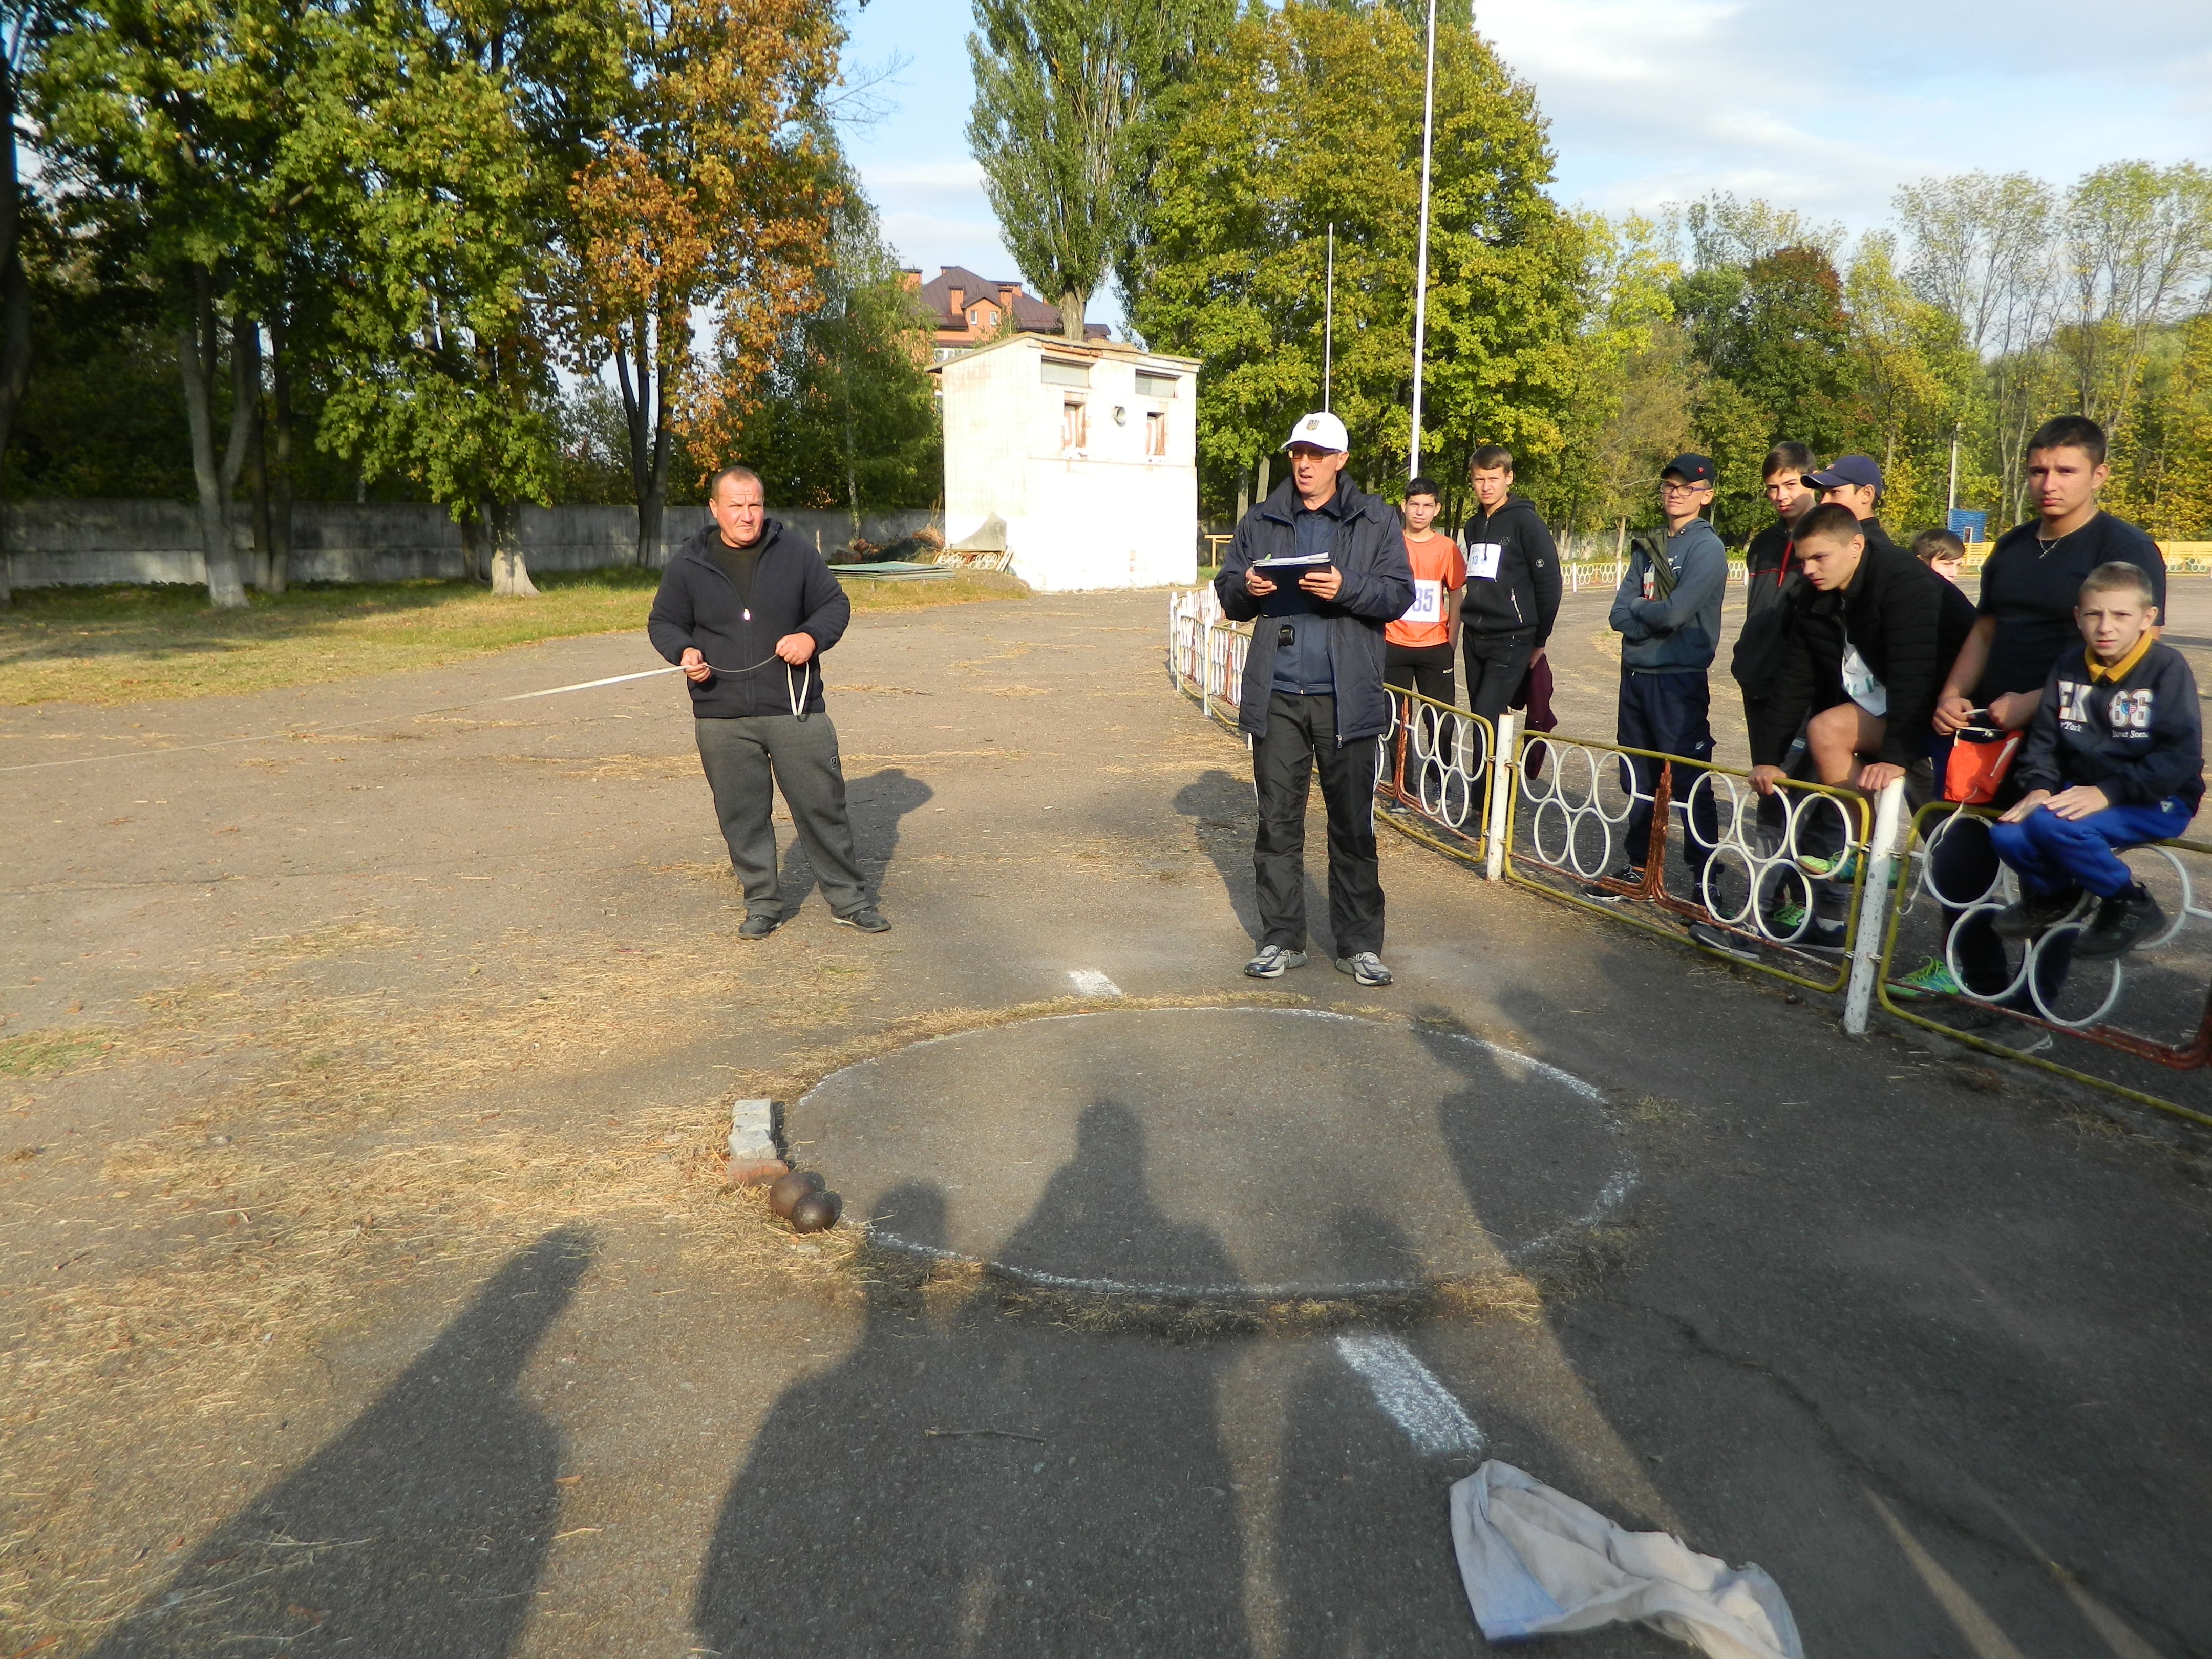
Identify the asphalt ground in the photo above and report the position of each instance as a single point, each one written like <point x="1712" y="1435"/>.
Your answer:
<point x="367" y="1288"/>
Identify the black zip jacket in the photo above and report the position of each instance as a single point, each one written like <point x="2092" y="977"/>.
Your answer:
<point x="794" y="592"/>
<point x="1378" y="585"/>
<point x="1768" y="561"/>
<point x="2139" y="738"/>
<point x="1906" y="621"/>
<point x="1524" y="594"/>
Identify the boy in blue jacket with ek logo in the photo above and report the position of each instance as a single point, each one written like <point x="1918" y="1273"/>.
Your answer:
<point x="2114" y="759"/>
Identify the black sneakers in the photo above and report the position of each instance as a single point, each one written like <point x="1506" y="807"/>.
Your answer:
<point x="759" y="924"/>
<point x="2036" y="913"/>
<point x="866" y="919"/>
<point x="2122" y="922"/>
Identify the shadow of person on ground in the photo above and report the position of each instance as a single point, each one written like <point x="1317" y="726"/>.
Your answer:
<point x="420" y="1530"/>
<point x="873" y="805"/>
<point x="1073" y="1497"/>
<point x="1363" y="1551"/>
<point x="1219" y="806"/>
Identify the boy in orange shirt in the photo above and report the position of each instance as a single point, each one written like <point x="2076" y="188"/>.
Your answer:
<point x="1419" y="649"/>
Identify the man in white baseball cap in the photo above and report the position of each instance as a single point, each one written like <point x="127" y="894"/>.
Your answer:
<point x="1318" y="568"/>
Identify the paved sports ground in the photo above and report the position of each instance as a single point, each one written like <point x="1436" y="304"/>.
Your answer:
<point x="367" y="1287"/>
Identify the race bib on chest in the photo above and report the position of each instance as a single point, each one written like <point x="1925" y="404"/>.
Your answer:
<point x="1428" y="606"/>
<point x="1482" y="559"/>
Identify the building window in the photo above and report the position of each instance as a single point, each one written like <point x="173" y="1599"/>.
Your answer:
<point x="1055" y="371"/>
<point x="1074" y="425"/>
<point x="1156" y="432"/>
<point x="1155" y="385"/>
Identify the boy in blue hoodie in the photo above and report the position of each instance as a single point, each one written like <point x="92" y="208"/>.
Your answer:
<point x="2114" y="758"/>
<point x="1667" y="613"/>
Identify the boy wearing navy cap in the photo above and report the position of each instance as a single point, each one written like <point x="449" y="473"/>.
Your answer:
<point x="1667" y="613"/>
<point x="1855" y="481"/>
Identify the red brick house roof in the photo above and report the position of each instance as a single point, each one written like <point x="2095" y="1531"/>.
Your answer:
<point x="967" y="307"/>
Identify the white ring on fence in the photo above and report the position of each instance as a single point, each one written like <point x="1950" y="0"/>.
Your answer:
<point x="1928" y="865"/>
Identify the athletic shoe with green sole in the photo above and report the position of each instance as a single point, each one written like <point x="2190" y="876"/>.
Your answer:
<point x="1842" y="867"/>
<point x="1932" y="978"/>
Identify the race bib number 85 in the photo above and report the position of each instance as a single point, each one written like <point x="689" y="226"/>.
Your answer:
<point x="1428" y="606"/>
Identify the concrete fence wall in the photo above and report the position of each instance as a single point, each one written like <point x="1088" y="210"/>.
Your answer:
<point x="65" y="543"/>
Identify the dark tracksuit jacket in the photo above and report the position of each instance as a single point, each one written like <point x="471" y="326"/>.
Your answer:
<point x="1523" y="596"/>
<point x="1906" y="622"/>
<point x="1768" y="562"/>
<point x="2139" y="738"/>
<point x="1291" y="742"/>
<point x="792" y="592"/>
<point x="1378" y="585"/>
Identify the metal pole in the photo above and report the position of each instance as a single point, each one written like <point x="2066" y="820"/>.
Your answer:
<point x="1503" y="774"/>
<point x="1421" y="258"/>
<point x="1952" y="505"/>
<point x="1329" y="315"/>
<point x="1874" y="908"/>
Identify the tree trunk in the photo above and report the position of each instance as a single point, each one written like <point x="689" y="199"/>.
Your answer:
<point x="14" y="297"/>
<point x="653" y="506"/>
<point x="245" y="387"/>
<point x="280" y="513"/>
<point x="1073" y="303"/>
<point x="472" y="537"/>
<point x="649" y="461"/>
<point x="196" y="356"/>
<point x="510" y="574"/>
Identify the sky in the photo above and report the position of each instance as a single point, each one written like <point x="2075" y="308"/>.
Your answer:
<point x="1653" y="102"/>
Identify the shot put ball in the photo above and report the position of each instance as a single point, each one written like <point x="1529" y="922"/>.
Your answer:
<point x="816" y="1212"/>
<point x="787" y="1190"/>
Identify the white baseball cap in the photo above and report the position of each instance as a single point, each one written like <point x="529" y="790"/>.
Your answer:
<point x="1321" y="429"/>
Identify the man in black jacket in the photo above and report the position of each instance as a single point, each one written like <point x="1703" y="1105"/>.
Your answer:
<point x="1312" y="697"/>
<point x="747" y="611"/>
<point x="1771" y="559"/>
<point x="1512" y="595"/>
<point x="1868" y="636"/>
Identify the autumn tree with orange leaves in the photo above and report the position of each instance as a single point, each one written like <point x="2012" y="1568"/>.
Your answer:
<point x="711" y="193"/>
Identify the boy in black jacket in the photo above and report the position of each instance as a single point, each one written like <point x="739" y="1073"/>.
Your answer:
<point x="1512" y="594"/>
<point x="2114" y="758"/>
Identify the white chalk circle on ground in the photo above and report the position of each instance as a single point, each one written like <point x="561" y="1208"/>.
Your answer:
<point x="1216" y="1151"/>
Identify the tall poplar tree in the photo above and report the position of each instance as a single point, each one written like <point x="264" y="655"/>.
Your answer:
<point x="1062" y="87"/>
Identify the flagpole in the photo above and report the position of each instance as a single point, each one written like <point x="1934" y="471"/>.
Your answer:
<point x="1329" y="315"/>
<point x="1421" y="258"/>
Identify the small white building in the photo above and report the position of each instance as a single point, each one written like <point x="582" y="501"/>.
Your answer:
<point x="1082" y="456"/>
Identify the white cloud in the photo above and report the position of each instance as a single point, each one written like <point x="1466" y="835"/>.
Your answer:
<point x="1658" y="100"/>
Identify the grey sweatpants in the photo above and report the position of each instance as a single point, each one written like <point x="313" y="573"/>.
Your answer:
<point x="740" y="758"/>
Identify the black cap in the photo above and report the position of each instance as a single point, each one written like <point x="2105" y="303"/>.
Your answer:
<point x="1690" y="468"/>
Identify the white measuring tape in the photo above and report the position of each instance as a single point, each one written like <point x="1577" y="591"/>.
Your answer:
<point x="796" y="690"/>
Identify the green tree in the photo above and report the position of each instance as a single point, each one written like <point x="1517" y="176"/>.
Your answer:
<point x="437" y="147"/>
<point x="853" y="418"/>
<point x="1916" y="381"/>
<point x="1630" y="409"/>
<point x="1304" y="117"/>
<point x="1059" y="125"/>
<point x="163" y="126"/>
<point x="709" y="192"/>
<point x="2162" y="459"/>
<point x="2137" y="254"/>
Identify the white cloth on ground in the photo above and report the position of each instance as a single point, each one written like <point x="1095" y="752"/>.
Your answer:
<point x="1536" y="1562"/>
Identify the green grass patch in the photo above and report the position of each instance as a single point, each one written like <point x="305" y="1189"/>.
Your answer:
<point x="141" y="644"/>
<point x="38" y="1054"/>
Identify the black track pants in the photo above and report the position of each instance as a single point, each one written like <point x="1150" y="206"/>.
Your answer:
<point x="1301" y="740"/>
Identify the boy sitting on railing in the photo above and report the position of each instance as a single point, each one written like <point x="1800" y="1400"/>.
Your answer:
<point x="2114" y="759"/>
